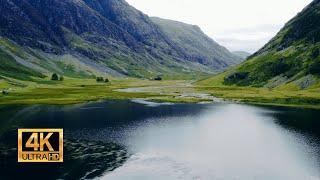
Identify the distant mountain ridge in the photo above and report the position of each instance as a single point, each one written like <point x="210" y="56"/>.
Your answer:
<point x="88" y="37"/>
<point x="241" y="54"/>
<point x="197" y="45"/>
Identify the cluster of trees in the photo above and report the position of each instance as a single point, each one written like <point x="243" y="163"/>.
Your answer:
<point x="101" y="79"/>
<point x="56" y="77"/>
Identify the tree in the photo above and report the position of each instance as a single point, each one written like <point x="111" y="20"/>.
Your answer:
<point x="54" y="77"/>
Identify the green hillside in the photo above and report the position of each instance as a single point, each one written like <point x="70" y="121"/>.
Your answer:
<point x="9" y="67"/>
<point x="291" y="59"/>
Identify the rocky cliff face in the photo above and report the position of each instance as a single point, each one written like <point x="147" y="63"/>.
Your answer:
<point x="109" y="34"/>
<point x="39" y="23"/>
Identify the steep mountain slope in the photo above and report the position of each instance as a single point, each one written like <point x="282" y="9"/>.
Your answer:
<point x="197" y="45"/>
<point x="91" y="37"/>
<point x="290" y="60"/>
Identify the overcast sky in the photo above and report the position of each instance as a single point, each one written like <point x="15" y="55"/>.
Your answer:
<point x="239" y="25"/>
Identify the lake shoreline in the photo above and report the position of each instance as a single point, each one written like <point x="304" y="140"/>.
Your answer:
<point x="159" y="101"/>
<point x="74" y="91"/>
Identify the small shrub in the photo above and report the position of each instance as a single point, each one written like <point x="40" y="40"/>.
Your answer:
<point x="106" y="80"/>
<point x="158" y="78"/>
<point x="5" y="92"/>
<point x="61" y="78"/>
<point x="54" y="77"/>
<point x="99" y="79"/>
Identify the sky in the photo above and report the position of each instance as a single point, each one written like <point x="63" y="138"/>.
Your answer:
<point x="239" y="25"/>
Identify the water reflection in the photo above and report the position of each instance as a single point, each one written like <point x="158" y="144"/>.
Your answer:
<point x="180" y="141"/>
<point x="225" y="141"/>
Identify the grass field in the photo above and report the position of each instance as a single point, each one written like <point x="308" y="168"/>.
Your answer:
<point x="285" y="95"/>
<point x="73" y="90"/>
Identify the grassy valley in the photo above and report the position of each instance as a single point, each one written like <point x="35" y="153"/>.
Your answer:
<point x="76" y="90"/>
<point x="131" y="48"/>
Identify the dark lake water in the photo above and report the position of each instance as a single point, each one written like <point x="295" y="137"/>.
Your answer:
<point x="130" y="140"/>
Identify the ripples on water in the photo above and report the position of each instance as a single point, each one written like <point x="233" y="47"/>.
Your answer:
<point x="191" y="141"/>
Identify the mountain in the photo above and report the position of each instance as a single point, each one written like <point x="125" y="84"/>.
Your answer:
<point x="241" y="54"/>
<point x="82" y="38"/>
<point x="291" y="59"/>
<point x="197" y="45"/>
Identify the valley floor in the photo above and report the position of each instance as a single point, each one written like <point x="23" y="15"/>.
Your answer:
<point x="72" y="90"/>
<point x="264" y="96"/>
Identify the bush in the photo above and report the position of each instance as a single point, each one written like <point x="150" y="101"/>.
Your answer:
<point x="158" y="78"/>
<point x="54" y="77"/>
<point x="314" y="68"/>
<point x="236" y="77"/>
<point x="275" y="68"/>
<point x="99" y="79"/>
<point x="106" y="80"/>
<point x="5" y="92"/>
<point x="61" y="78"/>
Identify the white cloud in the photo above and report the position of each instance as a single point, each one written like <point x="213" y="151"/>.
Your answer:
<point x="237" y="24"/>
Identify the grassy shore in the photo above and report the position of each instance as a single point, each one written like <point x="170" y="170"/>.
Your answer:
<point x="264" y="96"/>
<point x="73" y="90"/>
<point x="286" y="95"/>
